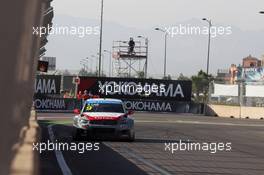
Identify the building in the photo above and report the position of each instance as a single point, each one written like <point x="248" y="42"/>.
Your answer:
<point x="223" y="75"/>
<point x="251" y="62"/>
<point x="233" y="73"/>
<point x="262" y="60"/>
<point x="228" y="76"/>
<point x="251" y="70"/>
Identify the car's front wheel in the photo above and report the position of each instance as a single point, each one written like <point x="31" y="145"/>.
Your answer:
<point x="131" y="136"/>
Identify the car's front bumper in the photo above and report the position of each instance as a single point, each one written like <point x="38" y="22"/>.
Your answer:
<point x="116" y="126"/>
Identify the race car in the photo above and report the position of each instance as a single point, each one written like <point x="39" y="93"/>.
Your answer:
<point x="103" y="116"/>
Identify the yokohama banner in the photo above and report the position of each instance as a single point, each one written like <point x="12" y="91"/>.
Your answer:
<point x="56" y="104"/>
<point x="48" y="104"/>
<point x="47" y="84"/>
<point x="129" y="88"/>
<point x="162" y="106"/>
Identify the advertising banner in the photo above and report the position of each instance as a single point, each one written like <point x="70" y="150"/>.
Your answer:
<point x="254" y="91"/>
<point x="157" y="106"/>
<point x="130" y="88"/>
<point x="225" y="90"/>
<point x="52" y="104"/>
<point x="56" y="104"/>
<point x="251" y="74"/>
<point x="47" y="84"/>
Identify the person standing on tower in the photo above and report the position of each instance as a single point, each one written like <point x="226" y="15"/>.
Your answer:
<point x="131" y="44"/>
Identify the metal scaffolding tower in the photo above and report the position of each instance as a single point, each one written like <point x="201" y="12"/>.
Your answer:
<point x="127" y="64"/>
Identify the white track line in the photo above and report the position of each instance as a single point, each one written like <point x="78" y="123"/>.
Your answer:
<point x="199" y="123"/>
<point x="59" y="156"/>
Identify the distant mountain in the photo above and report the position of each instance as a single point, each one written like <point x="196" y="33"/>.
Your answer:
<point x="186" y="53"/>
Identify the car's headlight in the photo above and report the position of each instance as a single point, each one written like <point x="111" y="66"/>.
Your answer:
<point x="83" y="121"/>
<point x="124" y="120"/>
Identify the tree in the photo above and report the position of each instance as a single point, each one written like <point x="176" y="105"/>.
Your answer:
<point x="83" y="72"/>
<point x="66" y="73"/>
<point x="200" y="83"/>
<point x="167" y="77"/>
<point x="182" y="77"/>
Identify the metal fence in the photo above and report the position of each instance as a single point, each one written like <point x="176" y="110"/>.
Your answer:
<point x="240" y="94"/>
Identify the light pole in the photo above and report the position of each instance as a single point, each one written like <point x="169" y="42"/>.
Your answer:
<point x="146" y="64"/>
<point x="89" y="66"/>
<point x="208" y="62"/>
<point x="209" y="44"/>
<point x="102" y="63"/>
<point x="96" y="69"/>
<point x="110" y="61"/>
<point x="83" y="64"/>
<point x="85" y="61"/>
<point x="101" y="37"/>
<point x="165" y="53"/>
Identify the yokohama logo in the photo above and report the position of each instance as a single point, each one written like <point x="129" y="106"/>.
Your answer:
<point x="148" y="106"/>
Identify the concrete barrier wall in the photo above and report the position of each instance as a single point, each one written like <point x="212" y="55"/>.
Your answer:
<point x="252" y="112"/>
<point x="23" y="148"/>
<point x="19" y="50"/>
<point x="236" y="111"/>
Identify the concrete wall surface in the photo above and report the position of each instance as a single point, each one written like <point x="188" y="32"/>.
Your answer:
<point x="236" y="111"/>
<point x="19" y="55"/>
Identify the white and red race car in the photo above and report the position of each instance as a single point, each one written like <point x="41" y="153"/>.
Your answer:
<point x="107" y="116"/>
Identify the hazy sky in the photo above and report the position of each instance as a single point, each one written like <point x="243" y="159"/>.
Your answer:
<point x="186" y="54"/>
<point x="148" y="13"/>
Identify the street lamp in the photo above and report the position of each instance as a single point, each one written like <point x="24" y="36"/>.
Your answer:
<point x="165" y="53"/>
<point x="86" y="62"/>
<point x="209" y="44"/>
<point x="91" y="65"/>
<point x="208" y="60"/>
<point x="110" y="61"/>
<point x="102" y="63"/>
<point x="146" y="43"/>
<point x="82" y="63"/>
<point x="101" y="37"/>
<point x="96" y="69"/>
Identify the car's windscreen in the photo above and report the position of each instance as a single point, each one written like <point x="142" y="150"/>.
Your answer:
<point x="103" y="107"/>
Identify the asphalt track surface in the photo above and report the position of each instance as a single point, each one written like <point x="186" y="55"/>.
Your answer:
<point x="149" y="154"/>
